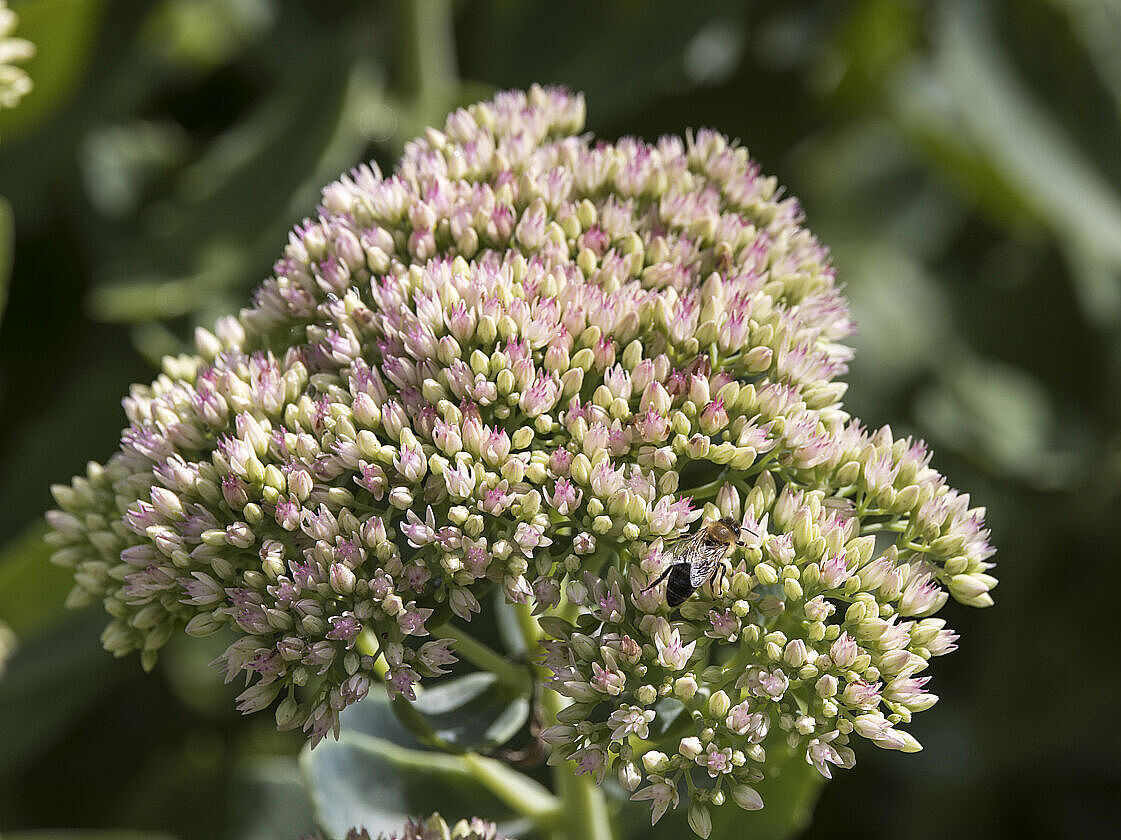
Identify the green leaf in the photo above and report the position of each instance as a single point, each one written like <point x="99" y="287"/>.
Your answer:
<point x="789" y="793"/>
<point x="185" y="664"/>
<point x="1023" y="143"/>
<point x="32" y="589"/>
<point x="509" y="629"/>
<point x="231" y="209"/>
<point x="970" y="102"/>
<point x="475" y="712"/>
<point x="669" y="711"/>
<point x="369" y="782"/>
<point x="1097" y="22"/>
<point x="376" y="717"/>
<point x="51" y="681"/>
<point x="999" y="415"/>
<point x="517" y="790"/>
<point x="270" y="800"/>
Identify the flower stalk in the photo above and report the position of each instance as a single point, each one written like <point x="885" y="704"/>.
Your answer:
<point x="523" y="797"/>
<point x="583" y="803"/>
<point x="583" y="806"/>
<point x="510" y="674"/>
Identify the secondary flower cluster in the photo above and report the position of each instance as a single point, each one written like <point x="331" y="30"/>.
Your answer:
<point x="14" y="81"/>
<point x="525" y="360"/>
<point x="821" y="632"/>
<point x="432" y="828"/>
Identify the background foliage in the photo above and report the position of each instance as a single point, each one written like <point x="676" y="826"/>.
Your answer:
<point x="960" y="159"/>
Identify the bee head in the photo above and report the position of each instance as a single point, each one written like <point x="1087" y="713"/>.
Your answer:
<point x="734" y="530"/>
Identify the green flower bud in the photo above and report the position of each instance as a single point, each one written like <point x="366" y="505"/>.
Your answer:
<point x="522" y="438"/>
<point x="473" y="527"/>
<point x="581" y="469"/>
<point x="948" y="545"/>
<point x="859" y="550"/>
<point x="513" y="470"/>
<point x="583" y="359"/>
<point x="632" y="355"/>
<point x="718" y="704"/>
<point x="505" y="382"/>
<point x="487" y="331"/>
<point x="700" y="821"/>
<point x="571" y="381"/>
<point x="765" y="573"/>
<point x="584" y="647"/>
<point x="972" y="590"/>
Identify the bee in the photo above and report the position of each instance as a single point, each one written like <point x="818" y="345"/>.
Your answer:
<point x="698" y="558"/>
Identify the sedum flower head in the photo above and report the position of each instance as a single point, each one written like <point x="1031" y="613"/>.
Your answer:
<point x="14" y="81"/>
<point x="525" y="360"/>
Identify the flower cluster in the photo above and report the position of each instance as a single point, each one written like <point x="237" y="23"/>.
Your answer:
<point x="525" y="360"/>
<point x="432" y="828"/>
<point x="14" y="81"/>
<point x="820" y="632"/>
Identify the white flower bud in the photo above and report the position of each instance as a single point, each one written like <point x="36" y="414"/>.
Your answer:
<point x="629" y="777"/>
<point x="685" y="687"/>
<point x="690" y="747"/>
<point x="655" y="761"/>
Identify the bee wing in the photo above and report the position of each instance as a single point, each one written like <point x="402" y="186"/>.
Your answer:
<point x="678" y="548"/>
<point x="703" y="560"/>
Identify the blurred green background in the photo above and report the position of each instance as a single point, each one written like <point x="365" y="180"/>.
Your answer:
<point x="962" y="160"/>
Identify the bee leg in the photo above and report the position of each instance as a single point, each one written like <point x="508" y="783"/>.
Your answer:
<point x="719" y="572"/>
<point x="661" y="577"/>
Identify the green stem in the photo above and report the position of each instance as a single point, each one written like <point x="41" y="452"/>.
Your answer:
<point x="585" y="809"/>
<point x="427" y="65"/>
<point x="872" y="527"/>
<point x="475" y="652"/>
<point x="531" y="630"/>
<point x="522" y="794"/>
<point x="368" y="644"/>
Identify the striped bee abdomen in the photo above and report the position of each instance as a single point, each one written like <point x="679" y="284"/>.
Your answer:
<point x="678" y="585"/>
